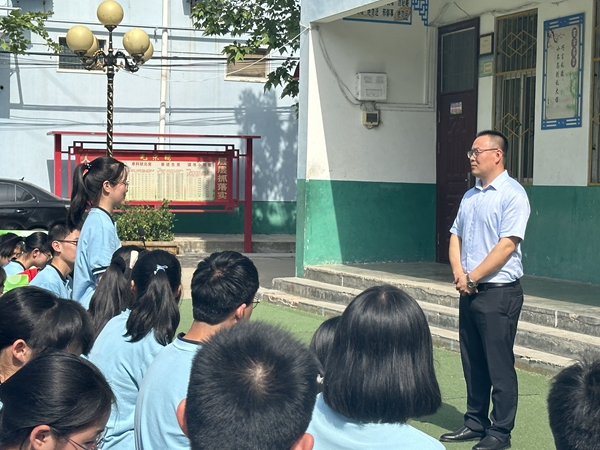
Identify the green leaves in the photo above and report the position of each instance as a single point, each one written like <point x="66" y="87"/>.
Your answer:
<point x="157" y="223"/>
<point x="270" y="24"/>
<point x="16" y="23"/>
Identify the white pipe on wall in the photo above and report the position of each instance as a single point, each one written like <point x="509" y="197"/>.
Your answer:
<point x="164" y="74"/>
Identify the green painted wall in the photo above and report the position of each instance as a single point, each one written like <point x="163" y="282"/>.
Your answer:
<point x="267" y="218"/>
<point x="348" y="221"/>
<point x="563" y="233"/>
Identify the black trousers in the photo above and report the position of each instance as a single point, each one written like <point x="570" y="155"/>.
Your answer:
<point x="487" y="328"/>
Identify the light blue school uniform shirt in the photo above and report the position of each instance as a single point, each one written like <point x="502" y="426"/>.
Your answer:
<point x="165" y="385"/>
<point x="13" y="268"/>
<point x="97" y="243"/>
<point x="333" y="431"/>
<point x="124" y="364"/>
<point x="51" y="279"/>
<point x="484" y="217"/>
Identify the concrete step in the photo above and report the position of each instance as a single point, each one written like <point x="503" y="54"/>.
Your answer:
<point x="261" y="243"/>
<point x="525" y="358"/>
<point x="543" y="338"/>
<point x="537" y="310"/>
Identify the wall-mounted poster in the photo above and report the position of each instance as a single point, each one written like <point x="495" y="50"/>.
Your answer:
<point x="563" y="71"/>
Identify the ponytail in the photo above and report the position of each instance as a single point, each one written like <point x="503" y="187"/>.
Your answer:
<point x="88" y="179"/>
<point x="157" y="278"/>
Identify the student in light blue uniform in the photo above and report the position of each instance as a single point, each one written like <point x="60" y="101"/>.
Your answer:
<point x="378" y="374"/>
<point x="35" y="253"/>
<point x="129" y="342"/>
<point x="56" y="276"/>
<point x="223" y="289"/>
<point x="101" y="184"/>
<point x="34" y="321"/>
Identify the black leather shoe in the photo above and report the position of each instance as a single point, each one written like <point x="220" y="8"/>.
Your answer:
<point x="492" y="443"/>
<point x="463" y="434"/>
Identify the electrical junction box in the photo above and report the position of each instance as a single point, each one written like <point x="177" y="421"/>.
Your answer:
<point x="371" y="87"/>
<point x="370" y="119"/>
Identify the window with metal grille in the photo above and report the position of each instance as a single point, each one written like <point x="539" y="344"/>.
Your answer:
<point x="254" y="67"/>
<point x="514" y="111"/>
<point x="595" y="119"/>
<point x="67" y="60"/>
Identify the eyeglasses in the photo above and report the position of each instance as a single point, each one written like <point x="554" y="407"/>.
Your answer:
<point x="74" y="242"/>
<point x="98" y="441"/>
<point x="48" y="257"/>
<point x="256" y="302"/>
<point x="126" y="183"/>
<point x="479" y="151"/>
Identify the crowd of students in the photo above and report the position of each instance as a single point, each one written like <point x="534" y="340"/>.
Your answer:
<point x="105" y="370"/>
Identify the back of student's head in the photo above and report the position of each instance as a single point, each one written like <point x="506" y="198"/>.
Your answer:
<point x="57" y="389"/>
<point x="113" y="294"/>
<point x="44" y="321"/>
<point x="59" y="230"/>
<point x="380" y="367"/>
<point x="252" y="386"/>
<point x="88" y="179"/>
<point x="322" y="341"/>
<point x="574" y="407"/>
<point x="8" y="242"/>
<point x="156" y="280"/>
<point x="220" y="284"/>
<point x="37" y="240"/>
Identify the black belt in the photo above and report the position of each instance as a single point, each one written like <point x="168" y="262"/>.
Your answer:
<point x="486" y="286"/>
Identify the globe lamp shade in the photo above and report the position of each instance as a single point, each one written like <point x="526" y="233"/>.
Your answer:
<point x="80" y="39"/>
<point x="136" y="42"/>
<point x="110" y="13"/>
<point x="93" y="49"/>
<point x="148" y="54"/>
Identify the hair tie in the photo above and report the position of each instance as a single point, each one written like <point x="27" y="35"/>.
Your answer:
<point x="159" y="267"/>
<point x="87" y="166"/>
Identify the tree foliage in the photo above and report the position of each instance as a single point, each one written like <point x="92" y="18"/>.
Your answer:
<point x="14" y="25"/>
<point x="270" y="24"/>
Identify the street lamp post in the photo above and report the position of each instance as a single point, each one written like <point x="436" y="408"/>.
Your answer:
<point x="85" y="45"/>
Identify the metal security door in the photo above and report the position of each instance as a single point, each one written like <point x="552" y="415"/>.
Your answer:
<point x="457" y="122"/>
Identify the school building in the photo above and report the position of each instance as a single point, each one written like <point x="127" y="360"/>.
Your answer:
<point x="392" y="95"/>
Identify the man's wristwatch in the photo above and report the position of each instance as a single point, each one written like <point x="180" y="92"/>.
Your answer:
<point x="470" y="283"/>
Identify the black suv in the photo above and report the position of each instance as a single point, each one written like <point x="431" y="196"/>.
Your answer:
<point x="28" y="207"/>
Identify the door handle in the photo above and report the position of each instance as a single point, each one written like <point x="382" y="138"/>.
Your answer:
<point x="21" y="211"/>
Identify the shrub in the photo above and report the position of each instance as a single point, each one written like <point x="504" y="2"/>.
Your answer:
<point x="157" y="223"/>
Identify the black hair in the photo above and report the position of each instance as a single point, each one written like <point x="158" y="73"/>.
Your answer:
<point x="322" y="341"/>
<point x="251" y="386"/>
<point x="574" y="407"/>
<point x="2" y="279"/>
<point x="113" y="295"/>
<point x="37" y="240"/>
<point x="503" y="141"/>
<point x="8" y="242"/>
<point x="44" y="321"/>
<point x="220" y="284"/>
<point x="59" y="230"/>
<point x="88" y="179"/>
<point x="380" y="367"/>
<point x="157" y="276"/>
<point x="58" y="389"/>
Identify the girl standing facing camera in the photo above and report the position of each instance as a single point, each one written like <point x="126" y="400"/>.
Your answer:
<point x="58" y="401"/>
<point x="100" y="185"/>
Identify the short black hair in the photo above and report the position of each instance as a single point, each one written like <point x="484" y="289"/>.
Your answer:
<point x="502" y="138"/>
<point x="58" y="231"/>
<point x="220" y="284"/>
<point x="44" y="321"/>
<point x="251" y="386"/>
<point x="380" y="367"/>
<point x="57" y="389"/>
<point x="574" y="407"/>
<point x="322" y="341"/>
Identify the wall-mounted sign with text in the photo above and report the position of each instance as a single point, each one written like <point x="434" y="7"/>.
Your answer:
<point x="399" y="12"/>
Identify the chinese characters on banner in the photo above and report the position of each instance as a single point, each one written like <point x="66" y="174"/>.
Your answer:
<point x="563" y="67"/>
<point x="396" y="12"/>
<point x="156" y="177"/>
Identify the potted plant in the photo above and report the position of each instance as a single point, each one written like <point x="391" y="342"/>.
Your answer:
<point x="145" y="225"/>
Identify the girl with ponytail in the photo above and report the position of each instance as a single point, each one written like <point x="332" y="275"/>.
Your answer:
<point x="100" y="185"/>
<point x="129" y="342"/>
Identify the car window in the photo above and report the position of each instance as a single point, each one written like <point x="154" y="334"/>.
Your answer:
<point x="23" y="195"/>
<point x="7" y="192"/>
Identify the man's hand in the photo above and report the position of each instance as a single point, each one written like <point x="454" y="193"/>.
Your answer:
<point x="460" y="281"/>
